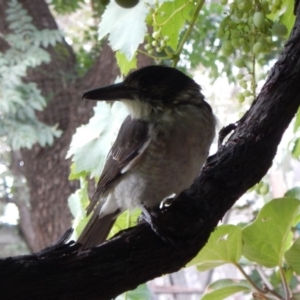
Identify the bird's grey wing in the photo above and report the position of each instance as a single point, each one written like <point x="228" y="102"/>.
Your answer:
<point x="131" y="141"/>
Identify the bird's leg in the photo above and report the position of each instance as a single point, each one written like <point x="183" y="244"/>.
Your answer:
<point x="155" y="225"/>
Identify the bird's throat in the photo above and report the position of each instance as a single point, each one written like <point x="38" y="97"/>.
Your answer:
<point x="138" y="109"/>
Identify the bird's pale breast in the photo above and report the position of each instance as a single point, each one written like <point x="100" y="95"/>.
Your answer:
<point x="178" y="148"/>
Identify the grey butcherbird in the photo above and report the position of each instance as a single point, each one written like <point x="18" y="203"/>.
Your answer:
<point x="159" y="150"/>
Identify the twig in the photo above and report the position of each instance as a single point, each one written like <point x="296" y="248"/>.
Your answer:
<point x="259" y="290"/>
<point x="284" y="283"/>
<point x="187" y="33"/>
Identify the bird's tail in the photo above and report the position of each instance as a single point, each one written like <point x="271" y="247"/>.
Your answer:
<point x="97" y="229"/>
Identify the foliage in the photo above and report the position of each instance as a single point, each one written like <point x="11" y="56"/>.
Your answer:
<point x="141" y="292"/>
<point x="276" y="218"/>
<point x="296" y="139"/>
<point x="77" y="202"/>
<point x="224" y="246"/>
<point x="95" y="138"/>
<point x="78" y="20"/>
<point x="250" y="31"/>
<point x="66" y="6"/>
<point x="20" y="100"/>
<point x="224" y="288"/>
<point x="268" y="241"/>
<point x="205" y="44"/>
<point x="115" y="21"/>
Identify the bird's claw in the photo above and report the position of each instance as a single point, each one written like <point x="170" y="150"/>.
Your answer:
<point x="152" y="220"/>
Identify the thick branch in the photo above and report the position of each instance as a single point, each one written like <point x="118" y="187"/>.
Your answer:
<point x="137" y="255"/>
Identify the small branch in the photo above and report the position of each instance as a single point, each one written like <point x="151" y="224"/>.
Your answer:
<point x="187" y="33"/>
<point x="284" y="283"/>
<point x="273" y="295"/>
<point x="174" y="289"/>
<point x="264" y="278"/>
<point x="253" y="284"/>
<point x="153" y="56"/>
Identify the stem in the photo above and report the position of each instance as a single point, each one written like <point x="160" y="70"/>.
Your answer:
<point x="264" y="278"/>
<point x="268" y="285"/>
<point x="253" y="77"/>
<point x="187" y="33"/>
<point x="152" y="56"/>
<point x="284" y="283"/>
<point x="253" y="284"/>
<point x="169" y="53"/>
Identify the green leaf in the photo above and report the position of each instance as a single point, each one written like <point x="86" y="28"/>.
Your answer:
<point x="79" y="200"/>
<point x="292" y="256"/>
<point x="296" y="149"/>
<point x="66" y="6"/>
<point x="293" y="193"/>
<point x="223" y="288"/>
<point x="126" y="27"/>
<point x="77" y="203"/>
<point x="91" y="157"/>
<point x="20" y="100"/>
<point x="171" y="17"/>
<point x="268" y="237"/>
<point x="96" y="138"/>
<point x="288" y="17"/>
<point x="124" y="64"/>
<point x="224" y="246"/>
<point x="73" y="175"/>
<point x="141" y="292"/>
<point x="125" y="220"/>
<point x="297" y="121"/>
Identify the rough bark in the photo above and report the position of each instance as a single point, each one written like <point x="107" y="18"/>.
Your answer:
<point x="137" y="255"/>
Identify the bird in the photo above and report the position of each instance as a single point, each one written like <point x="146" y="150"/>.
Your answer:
<point x="160" y="148"/>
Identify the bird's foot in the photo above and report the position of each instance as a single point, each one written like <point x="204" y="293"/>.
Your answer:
<point x="155" y="225"/>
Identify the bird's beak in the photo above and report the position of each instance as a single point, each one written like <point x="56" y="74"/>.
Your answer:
<point x="116" y="91"/>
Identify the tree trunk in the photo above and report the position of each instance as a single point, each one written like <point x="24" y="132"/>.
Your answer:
<point x="45" y="168"/>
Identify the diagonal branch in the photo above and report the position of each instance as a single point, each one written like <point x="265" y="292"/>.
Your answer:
<point x="137" y="255"/>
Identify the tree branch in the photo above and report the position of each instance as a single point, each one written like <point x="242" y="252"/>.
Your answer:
<point x="137" y="255"/>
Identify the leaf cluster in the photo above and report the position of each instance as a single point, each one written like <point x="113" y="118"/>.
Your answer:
<point x="268" y="242"/>
<point x="20" y="99"/>
<point x="66" y="6"/>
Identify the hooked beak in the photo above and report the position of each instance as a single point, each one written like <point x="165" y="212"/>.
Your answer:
<point x="116" y="91"/>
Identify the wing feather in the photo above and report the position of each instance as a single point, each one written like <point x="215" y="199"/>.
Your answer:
<point x="131" y="139"/>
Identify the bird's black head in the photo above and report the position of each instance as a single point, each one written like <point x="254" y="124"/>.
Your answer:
<point x="160" y="84"/>
<point x="157" y="85"/>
